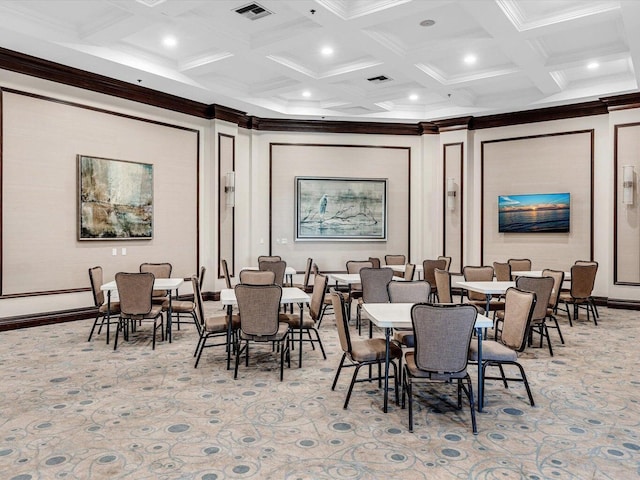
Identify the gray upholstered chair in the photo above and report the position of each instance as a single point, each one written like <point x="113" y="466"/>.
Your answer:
<point x="558" y="279"/>
<point x="257" y="277"/>
<point x="104" y="311"/>
<point x="542" y="287"/>
<point x="429" y="267"/>
<point x="374" y="290"/>
<point x="583" y="278"/>
<point x="447" y="261"/>
<point x="519" y="264"/>
<point x="409" y="271"/>
<point x="304" y="286"/>
<point x="135" y="292"/>
<point x="309" y="324"/>
<point x="502" y="271"/>
<point x="225" y="273"/>
<point x="481" y="274"/>
<point x="212" y="327"/>
<point x="407" y="292"/>
<point x="358" y="353"/>
<point x="259" y="307"/>
<point x="159" y="270"/>
<point x="395" y="259"/>
<point x="443" y="284"/>
<point x="269" y="258"/>
<point x="442" y="339"/>
<point x="184" y="307"/>
<point x="278" y="267"/>
<point x="519" y="306"/>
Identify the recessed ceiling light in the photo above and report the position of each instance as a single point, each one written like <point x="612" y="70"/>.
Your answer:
<point x="427" y="23"/>
<point x="326" y="51"/>
<point x="470" y="59"/>
<point x="593" y="65"/>
<point x="170" y="41"/>
<point x="413" y="97"/>
<point x="306" y="94"/>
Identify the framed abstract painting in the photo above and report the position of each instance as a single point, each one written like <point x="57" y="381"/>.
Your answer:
<point x="115" y="199"/>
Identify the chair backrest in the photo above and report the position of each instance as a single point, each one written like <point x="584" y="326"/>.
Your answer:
<point x="429" y="266"/>
<point x="447" y="260"/>
<point x="586" y="262"/>
<point x="134" y="291"/>
<point x="375" y="261"/>
<point x="225" y="272"/>
<point x="409" y="271"/>
<point x="159" y="270"/>
<point x="197" y="299"/>
<point x="442" y="336"/>
<point x="278" y="267"/>
<point x="542" y="287"/>
<point x="317" y="297"/>
<point x="354" y="266"/>
<point x="307" y="272"/>
<point x="96" y="280"/>
<point x="583" y="278"/>
<point x="269" y="258"/>
<point x="259" y="306"/>
<point x="341" y="321"/>
<point x="395" y="259"/>
<point x="558" y="279"/>
<point x="374" y="284"/>
<point x="203" y="270"/>
<point x="443" y="285"/>
<point x="257" y="277"/>
<point x="502" y="271"/>
<point x="477" y="274"/>
<point x="409" y="292"/>
<point x="520" y="264"/>
<point x="518" y="308"/>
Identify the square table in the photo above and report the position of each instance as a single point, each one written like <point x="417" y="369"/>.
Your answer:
<point x="488" y="288"/>
<point x="170" y="284"/>
<point x="290" y="296"/>
<point x="398" y="315"/>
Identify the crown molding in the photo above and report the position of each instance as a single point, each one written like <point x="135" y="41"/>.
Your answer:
<point x="56" y="72"/>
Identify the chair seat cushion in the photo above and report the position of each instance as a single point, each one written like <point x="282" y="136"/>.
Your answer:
<point x="159" y="300"/>
<point x="492" y="350"/>
<point x="156" y="310"/>
<point x="414" y="371"/>
<point x="179" y="306"/>
<point x="293" y="321"/>
<point x="494" y="305"/>
<point x="216" y="324"/>
<point x="283" y="328"/>
<point x="115" y="308"/>
<point x="405" y="336"/>
<point x="373" y="349"/>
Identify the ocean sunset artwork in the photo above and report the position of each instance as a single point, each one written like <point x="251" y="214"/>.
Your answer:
<point x="540" y="212"/>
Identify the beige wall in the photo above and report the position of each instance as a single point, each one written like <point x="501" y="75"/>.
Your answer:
<point x="39" y="136"/>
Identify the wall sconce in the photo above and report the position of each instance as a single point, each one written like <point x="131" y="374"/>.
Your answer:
<point x="627" y="184"/>
<point x="230" y="189"/>
<point x="451" y="194"/>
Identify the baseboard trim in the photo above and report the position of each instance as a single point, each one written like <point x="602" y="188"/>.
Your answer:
<point x="62" y="316"/>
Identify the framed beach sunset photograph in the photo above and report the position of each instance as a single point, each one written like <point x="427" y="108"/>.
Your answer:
<point x="540" y="212"/>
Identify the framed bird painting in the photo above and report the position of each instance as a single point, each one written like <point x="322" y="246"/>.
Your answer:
<point x="341" y="209"/>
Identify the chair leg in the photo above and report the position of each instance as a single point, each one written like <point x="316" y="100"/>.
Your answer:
<point x="469" y="392"/>
<point x="95" y="322"/>
<point x="526" y="383"/>
<point x="557" y="326"/>
<point x="335" y="380"/>
<point x="546" y="334"/>
<point x="353" y="382"/>
<point x="409" y="388"/>
<point x="324" y="355"/>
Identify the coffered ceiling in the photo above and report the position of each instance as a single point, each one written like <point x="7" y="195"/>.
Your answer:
<point x="385" y="60"/>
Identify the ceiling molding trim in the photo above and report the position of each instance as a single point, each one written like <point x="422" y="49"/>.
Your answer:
<point x="56" y="72"/>
<point x="323" y="126"/>
<point x="622" y="102"/>
<point x="451" y="124"/>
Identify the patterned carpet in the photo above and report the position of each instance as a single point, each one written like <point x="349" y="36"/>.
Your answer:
<point x="78" y="410"/>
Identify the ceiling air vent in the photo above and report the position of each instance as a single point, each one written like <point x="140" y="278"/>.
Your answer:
<point x="379" y="79"/>
<point x="253" y="11"/>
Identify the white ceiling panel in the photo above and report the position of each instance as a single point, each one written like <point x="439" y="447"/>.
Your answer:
<point x="268" y="62"/>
